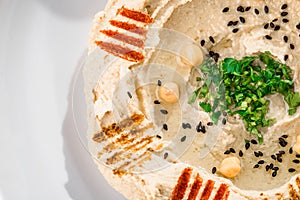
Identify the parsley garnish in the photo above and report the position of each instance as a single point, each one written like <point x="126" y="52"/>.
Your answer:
<point x="241" y="87"/>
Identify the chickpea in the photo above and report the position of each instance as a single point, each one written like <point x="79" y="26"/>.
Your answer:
<point x="191" y="55"/>
<point x="296" y="146"/>
<point x="230" y="167"/>
<point x="169" y="92"/>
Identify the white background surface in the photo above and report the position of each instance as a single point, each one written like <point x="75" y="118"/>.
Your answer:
<point x="41" y="43"/>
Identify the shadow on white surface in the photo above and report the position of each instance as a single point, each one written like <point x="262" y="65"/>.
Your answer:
<point x="84" y="179"/>
<point x="74" y="9"/>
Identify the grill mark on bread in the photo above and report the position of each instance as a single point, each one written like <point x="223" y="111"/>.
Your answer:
<point x="114" y="158"/>
<point x="128" y="139"/>
<point x="195" y="187"/>
<point x="207" y="190"/>
<point x="112" y="130"/>
<point x="120" y="171"/>
<point x="135" y="15"/>
<point x="96" y="95"/>
<point x="298" y="182"/>
<point x="221" y="191"/>
<point x="124" y="139"/>
<point x="120" y="51"/>
<point x="99" y="137"/>
<point x="226" y="195"/>
<point x="145" y="141"/>
<point x="293" y="193"/>
<point x="137" y="118"/>
<point x="128" y="27"/>
<point x="134" y="119"/>
<point x="182" y="184"/>
<point x="124" y="38"/>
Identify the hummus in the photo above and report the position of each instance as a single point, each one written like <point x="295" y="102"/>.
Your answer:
<point x="150" y="149"/>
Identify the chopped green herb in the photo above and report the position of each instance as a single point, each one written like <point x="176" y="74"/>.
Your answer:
<point x="215" y="116"/>
<point x="206" y="106"/>
<point x="193" y="97"/>
<point x="241" y="87"/>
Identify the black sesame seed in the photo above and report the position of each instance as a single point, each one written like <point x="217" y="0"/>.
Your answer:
<point x="226" y="9"/>
<point x="212" y="39"/>
<point x="297" y="155"/>
<point x="227" y="152"/>
<point x="278" y="155"/>
<point x="275" y="20"/>
<point x="274" y="174"/>
<point x="292" y="170"/>
<point x="292" y="46"/>
<point x="260" y="153"/>
<point x="216" y="57"/>
<point x="159" y="82"/>
<point x="203" y="129"/>
<point x="298" y="26"/>
<point x="275" y="168"/>
<point x="210" y="123"/>
<point x="224" y="113"/>
<point x="158" y="136"/>
<point x="256" y="11"/>
<point x="256" y="154"/>
<point x="165" y="127"/>
<point x="202" y="43"/>
<point x="266" y="26"/>
<point x="211" y="53"/>
<point x="129" y="94"/>
<point x="247" y="145"/>
<point x="256" y="166"/>
<point x="166" y="155"/>
<point x="284" y="20"/>
<point x="241" y="153"/>
<point x="279" y="159"/>
<point x="165" y="112"/>
<point x="183" y="139"/>
<point x="240" y="9"/>
<point x="186" y="125"/>
<point x="242" y="19"/>
<point x="285" y="38"/>
<point x="253" y="141"/>
<point x="283" y="14"/>
<point x="291" y="150"/>
<point x="266" y="9"/>
<point x="214" y="170"/>
<point x="232" y="150"/>
<point x="235" y="23"/>
<point x="156" y="102"/>
<point x="285" y="136"/>
<point x="267" y="167"/>
<point x="230" y="23"/>
<point x="200" y="128"/>
<point x="224" y="121"/>
<point x="271" y="166"/>
<point x="284" y="6"/>
<point x="277" y="27"/>
<point x="235" y="30"/>
<point x="248" y="8"/>
<point x="268" y="37"/>
<point x="261" y="162"/>
<point x="282" y="152"/>
<point x="282" y="142"/>
<point x="273" y="157"/>
<point x="272" y="25"/>
<point x="296" y="161"/>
